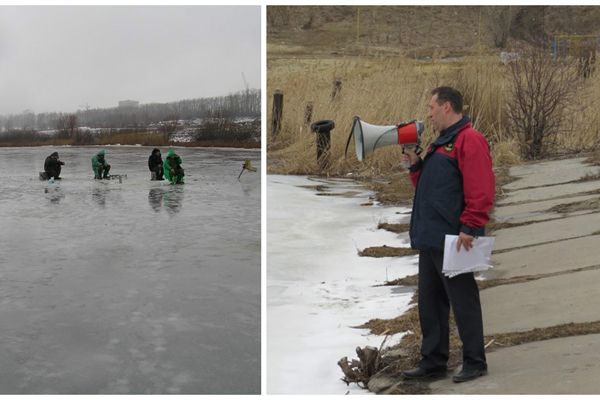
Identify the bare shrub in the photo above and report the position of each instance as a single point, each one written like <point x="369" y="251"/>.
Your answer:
<point x="541" y="90"/>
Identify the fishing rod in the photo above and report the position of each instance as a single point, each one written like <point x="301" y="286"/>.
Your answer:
<point x="246" y="166"/>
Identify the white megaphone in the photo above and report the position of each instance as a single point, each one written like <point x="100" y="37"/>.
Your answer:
<point x="369" y="137"/>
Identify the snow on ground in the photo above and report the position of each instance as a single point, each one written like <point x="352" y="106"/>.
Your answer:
<point x="318" y="287"/>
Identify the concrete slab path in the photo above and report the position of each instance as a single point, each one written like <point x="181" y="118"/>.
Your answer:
<point x="549" y="258"/>
<point x="550" y="192"/>
<point x="550" y="231"/>
<point x="536" y="174"/>
<point x="568" y="365"/>
<point x="536" y="211"/>
<point x="559" y="366"/>
<point x="541" y="303"/>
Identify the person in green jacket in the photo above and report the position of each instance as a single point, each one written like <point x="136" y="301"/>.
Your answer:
<point x="100" y="166"/>
<point x="172" y="169"/>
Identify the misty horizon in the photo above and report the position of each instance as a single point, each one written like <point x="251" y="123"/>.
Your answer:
<point x="68" y="58"/>
<point x="141" y="104"/>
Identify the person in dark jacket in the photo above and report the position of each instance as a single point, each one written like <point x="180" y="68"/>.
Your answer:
<point x="455" y="189"/>
<point x="155" y="164"/>
<point x="52" y="166"/>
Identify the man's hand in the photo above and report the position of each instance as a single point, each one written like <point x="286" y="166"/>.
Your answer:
<point x="410" y="156"/>
<point x="465" y="240"/>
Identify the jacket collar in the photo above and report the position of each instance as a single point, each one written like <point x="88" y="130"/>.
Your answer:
<point x="448" y="134"/>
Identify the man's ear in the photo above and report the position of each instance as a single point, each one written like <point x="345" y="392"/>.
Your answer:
<point x="447" y="107"/>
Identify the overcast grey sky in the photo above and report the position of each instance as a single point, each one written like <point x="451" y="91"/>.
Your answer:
<point x="61" y="58"/>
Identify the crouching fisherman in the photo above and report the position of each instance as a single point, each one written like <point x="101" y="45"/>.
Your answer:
<point x="100" y="166"/>
<point x="172" y="167"/>
<point x="155" y="164"/>
<point x="52" y="166"/>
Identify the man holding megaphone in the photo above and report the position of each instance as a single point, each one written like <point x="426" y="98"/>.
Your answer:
<point x="455" y="189"/>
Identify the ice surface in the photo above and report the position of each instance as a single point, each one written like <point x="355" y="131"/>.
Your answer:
<point x="132" y="287"/>
<point x="318" y="287"/>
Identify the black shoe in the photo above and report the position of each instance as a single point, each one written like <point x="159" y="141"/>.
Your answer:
<point x="422" y="373"/>
<point x="469" y="374"/>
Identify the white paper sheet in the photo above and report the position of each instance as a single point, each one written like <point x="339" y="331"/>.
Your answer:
<point x="460" y="262"/>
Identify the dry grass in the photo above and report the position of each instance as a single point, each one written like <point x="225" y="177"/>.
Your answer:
<point x="493" y="225"/>
<point x="386" y="91"/>
<point x="581" y="133"/>
<point x="143" y="138"/>
<point x="397" y="189"/>
<point x="51" y="141"/>
<point x="387" y="251"/>
<point x="396" y="228"/>
<point x="537" y="334"/>
<point x="589" y="177"/>
<point x="379" y="92"/>
<point x="409" y="280"/>
<point x="410" y="344"/>
<point x="503" y="178"/>
<point x="505" y="153"/>
<point x="383" y="92"/>
<point x="594" y="158"/>
<point x="591" y="204"/>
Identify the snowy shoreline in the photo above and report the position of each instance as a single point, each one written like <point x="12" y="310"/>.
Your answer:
<point x="318" y="288"/>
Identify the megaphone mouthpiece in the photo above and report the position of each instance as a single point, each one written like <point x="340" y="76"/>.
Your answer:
<point x="410" y="133"/>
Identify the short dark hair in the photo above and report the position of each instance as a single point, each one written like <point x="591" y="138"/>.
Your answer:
<point x="451" y="95"/>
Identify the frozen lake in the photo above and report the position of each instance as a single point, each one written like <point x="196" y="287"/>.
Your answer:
<point x="132" y="287"/>
<point x="318" y="287"/>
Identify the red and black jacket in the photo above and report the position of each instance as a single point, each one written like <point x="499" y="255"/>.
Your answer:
<point x="455" y="187"/>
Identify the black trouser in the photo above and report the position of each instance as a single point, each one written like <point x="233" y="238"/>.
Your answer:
<point x="53" y="172"/>
<point x="103" y="170"/>
<point x="436" y="293"/>
<point x="158" y="170"/>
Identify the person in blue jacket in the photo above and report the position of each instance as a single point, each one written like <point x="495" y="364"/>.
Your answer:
<point x="454" y="193"/>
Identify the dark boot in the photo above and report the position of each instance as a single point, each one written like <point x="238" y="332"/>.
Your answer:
<point x="422" y="373"/>
<point x="468" y="374"/>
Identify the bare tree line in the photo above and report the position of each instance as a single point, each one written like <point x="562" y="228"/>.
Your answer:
<point x="241" y="104"/>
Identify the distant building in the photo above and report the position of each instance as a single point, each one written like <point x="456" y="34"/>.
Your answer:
<point x="128" y="104"/>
